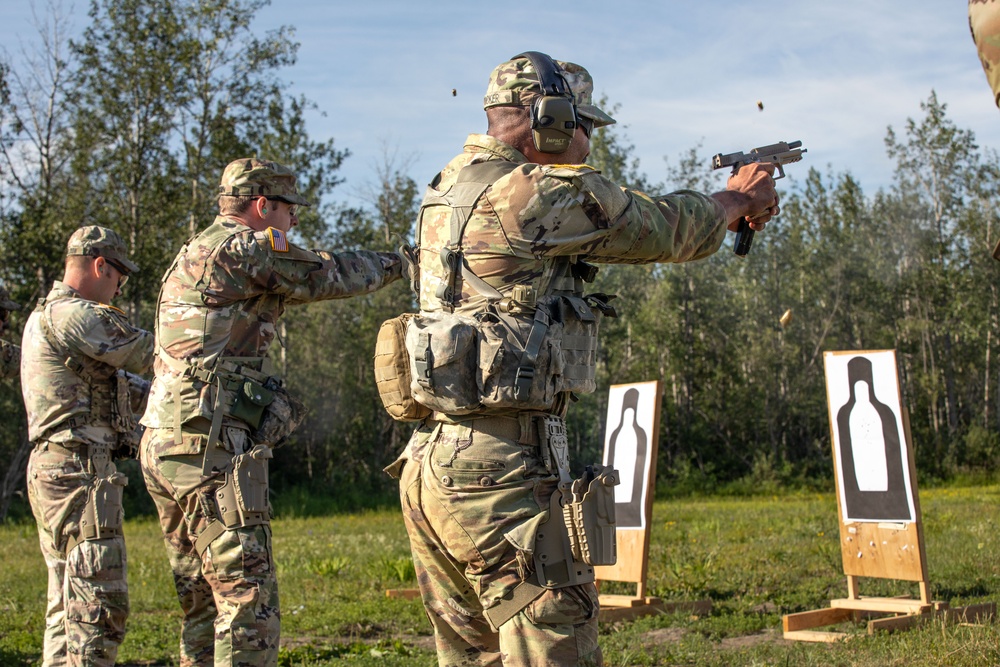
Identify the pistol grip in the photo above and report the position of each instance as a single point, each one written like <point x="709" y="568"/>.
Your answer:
<point x="744" y="238"/>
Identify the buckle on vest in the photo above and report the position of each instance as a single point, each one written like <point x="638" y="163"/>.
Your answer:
<point x="522" y="382"/>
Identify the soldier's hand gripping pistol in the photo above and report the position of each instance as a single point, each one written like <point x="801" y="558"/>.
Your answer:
<point x="778" y="154"/>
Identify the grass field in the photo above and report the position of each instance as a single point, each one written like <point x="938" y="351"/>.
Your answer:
<point x="756" y="558"/>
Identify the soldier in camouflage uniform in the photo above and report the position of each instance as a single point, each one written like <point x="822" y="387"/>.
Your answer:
<point x="10" y="354"/>
<point x="83" y="404"/>
<point x="217" y="409"/>
<point x="984" y="23"/>
<point x="476" y="485"/>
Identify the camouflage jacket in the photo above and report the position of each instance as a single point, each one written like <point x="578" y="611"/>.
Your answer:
<point x="538" y="213"/>
<point x="10" y="360"/>
<point x="67" y="363"/>
<point x="222" y="297"/>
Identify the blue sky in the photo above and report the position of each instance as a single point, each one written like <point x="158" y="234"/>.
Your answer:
<point x="833" y="75"/>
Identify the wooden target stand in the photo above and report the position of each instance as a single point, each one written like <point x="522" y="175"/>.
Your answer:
<point x="633" y="542"/>
<point x="878" y="549"/>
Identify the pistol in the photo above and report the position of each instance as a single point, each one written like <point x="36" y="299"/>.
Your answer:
<point x="778" y="154"/>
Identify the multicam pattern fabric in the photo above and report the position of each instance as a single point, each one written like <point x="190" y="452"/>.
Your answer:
<point x="87" y="585"/>
<point x="99" y="340"/>
<point x="515" y="83"/>
<point x="88" y="595"/>
<point x="984" y="23"/>
<point x="229" y="594"/>
<point x="253" y="177"/>
<point x="95" y="241"/>
<point x="221" y="300"/>
<point x="10" y="360"/>
<point x="468" y="496"/>
<point x="538" y="213"/>
<point x="474" y="495"/>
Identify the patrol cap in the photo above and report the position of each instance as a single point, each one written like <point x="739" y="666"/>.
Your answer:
<point x="5" y="301"/>
<point x="515" y="83"/>
<point x="253" y="177"/>
<point x="984" y="22"/>
<point x="94" y="241"/>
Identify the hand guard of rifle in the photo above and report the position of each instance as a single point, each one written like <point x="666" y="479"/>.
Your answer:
<point x="778" y="154"/>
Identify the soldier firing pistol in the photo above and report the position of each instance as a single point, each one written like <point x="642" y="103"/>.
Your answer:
<point x="778" y="154"/>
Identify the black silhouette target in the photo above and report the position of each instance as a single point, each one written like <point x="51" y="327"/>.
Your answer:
<point x="870" y="449"/>
<point x="627" y="446"/>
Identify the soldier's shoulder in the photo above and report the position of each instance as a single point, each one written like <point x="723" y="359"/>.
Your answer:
<point x="568" y="171"/>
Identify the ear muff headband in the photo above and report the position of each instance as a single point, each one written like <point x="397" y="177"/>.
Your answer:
<point x="553" y="115"/>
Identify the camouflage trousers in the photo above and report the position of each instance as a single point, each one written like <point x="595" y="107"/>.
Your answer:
<point x="228" y="593"/>
<point x="469" y="494"/>
<point x="87" y="585"/>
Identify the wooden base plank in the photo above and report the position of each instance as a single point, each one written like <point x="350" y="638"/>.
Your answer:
<point x="625" y="608"/>
<point x="816" y="618"/>
<point x="816" y="636"/>
<point x="887" y="605"/>
<point x="404" y="593"/>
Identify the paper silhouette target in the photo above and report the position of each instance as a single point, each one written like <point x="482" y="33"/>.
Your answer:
<point x="629" y="438"/>
<point x="870" y="450"/>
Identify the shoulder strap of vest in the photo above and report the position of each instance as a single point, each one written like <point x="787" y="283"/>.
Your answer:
<point x="462" y="197"/>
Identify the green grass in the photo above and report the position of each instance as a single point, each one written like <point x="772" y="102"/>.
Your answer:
<point x="756" y="558"/>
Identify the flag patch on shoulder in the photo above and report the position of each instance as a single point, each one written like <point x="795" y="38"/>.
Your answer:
<point x="279" y="242"/>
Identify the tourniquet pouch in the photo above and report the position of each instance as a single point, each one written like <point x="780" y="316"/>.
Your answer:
<point x="443" y="362"/>
<point x="242" y="498"/>
<point x="590" y="516"/>
<point x="252" y="399"/>
<point x="122" y="418"/>
<point x="103" y="513"/>
<point x="575" y="324"/>
<point x="392" y="371"/>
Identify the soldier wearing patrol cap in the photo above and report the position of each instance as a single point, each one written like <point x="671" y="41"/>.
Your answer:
<point x="83" y="397"/>
<point x="218" y="409"/>
<point x="506" y="236"/>
<point x="10" y="354"/>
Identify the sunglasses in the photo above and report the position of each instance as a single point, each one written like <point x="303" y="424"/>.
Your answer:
<point x="293" y="209"/>
<point x="585" y="124"/>
<point x="123" y="278"/>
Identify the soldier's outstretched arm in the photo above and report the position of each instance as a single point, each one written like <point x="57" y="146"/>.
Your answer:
<point x="301" y="275"/>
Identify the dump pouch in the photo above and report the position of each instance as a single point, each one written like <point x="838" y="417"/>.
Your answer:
<point x="392" y="371"/>
<point x="281" y="416"/>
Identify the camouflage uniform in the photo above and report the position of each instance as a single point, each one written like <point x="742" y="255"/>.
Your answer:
<point x="474" y="488"/>
<point x="10" y="354"/>
<point x="216" y="319"/>
<point x="984" y="23"/>
<point x="76" y="355"/>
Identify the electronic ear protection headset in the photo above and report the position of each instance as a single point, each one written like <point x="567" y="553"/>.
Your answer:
<point x="553" y="115"/>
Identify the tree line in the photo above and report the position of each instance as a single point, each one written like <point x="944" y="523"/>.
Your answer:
<point x="129" y="126"/>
